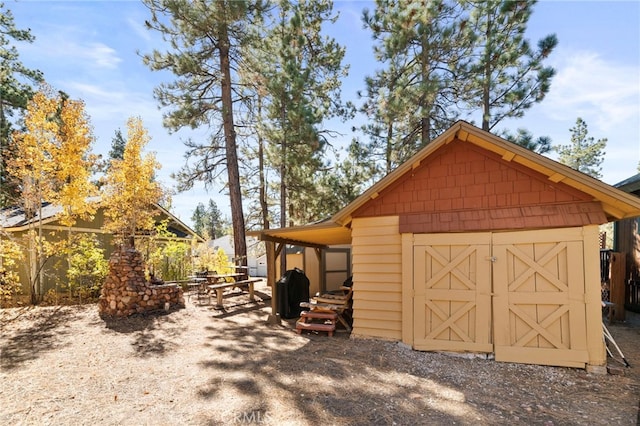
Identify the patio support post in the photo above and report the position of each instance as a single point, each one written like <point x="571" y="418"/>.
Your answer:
<point x="274" y="317"/>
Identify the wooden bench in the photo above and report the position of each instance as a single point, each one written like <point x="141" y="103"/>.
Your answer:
<point x="219" y="288"/>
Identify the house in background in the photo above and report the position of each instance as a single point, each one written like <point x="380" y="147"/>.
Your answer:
<point x="476" y="244"/>
<point x="255" y="253"/>
<point x="15" y="223"/>
<point x="626" y="240"/>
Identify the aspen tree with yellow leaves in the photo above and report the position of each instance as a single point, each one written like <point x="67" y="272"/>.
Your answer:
<point x="73" y="163"/>
<point x="51" y="163"/>
<point x="131" y="190"/>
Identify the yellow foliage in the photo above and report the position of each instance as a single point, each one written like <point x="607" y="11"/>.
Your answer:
<point x="73" y="168"/>
<point x="10" y="256"/>
<point x="210" y="259"/>
<point x="131" y="189"/>
<point x="33" y="165"/>
<point x="53" y="162"/>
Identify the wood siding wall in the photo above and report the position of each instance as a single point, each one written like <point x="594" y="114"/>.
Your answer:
<point x="377" y="277"/>
<point x="463" y="188"/>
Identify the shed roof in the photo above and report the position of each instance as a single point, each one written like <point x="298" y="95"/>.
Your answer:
<point x="616" y="203"/>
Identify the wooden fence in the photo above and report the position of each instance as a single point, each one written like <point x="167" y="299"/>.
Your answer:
<point x="612" y="279"/>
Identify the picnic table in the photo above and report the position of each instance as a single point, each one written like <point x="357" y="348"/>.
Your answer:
<point x="206" y="283"/>
<point x="218" y="283"/>
<point x="197" y="284"/>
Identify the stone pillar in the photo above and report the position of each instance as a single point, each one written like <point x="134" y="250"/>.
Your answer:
<point x="127" y="292"/>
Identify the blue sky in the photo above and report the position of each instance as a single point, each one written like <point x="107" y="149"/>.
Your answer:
<point x="89" y="50"/>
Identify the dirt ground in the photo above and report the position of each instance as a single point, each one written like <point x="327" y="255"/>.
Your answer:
<point x="204" y="366"/>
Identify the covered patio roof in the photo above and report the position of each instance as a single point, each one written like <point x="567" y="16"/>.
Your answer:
<point x="319" y="235"/>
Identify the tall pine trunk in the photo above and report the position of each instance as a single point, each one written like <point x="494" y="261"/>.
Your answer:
<point x="425" y="120"/>
<point x="283" y="184"/>
<point x="235" y="193"/>
<point x="486" y="89"/>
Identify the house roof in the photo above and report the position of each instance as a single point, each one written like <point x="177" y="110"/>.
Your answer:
<point x="616" y="203"/>
<point x="14" y="219"/>
<point x="630" y="185"/>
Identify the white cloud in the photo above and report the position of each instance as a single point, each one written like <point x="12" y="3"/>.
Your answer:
<point x="99" y="54"/>
<point x="110" y="106"/>
<point x="588" y="86"/>
<point x="64" y="46"/>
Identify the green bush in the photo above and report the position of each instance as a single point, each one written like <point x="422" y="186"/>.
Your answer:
<point x="88" y="267"/>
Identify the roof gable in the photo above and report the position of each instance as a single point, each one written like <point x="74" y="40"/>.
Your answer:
<point x="461" y="176"/>
<point x="598" y="203"/>
<point x="566" y="182"/>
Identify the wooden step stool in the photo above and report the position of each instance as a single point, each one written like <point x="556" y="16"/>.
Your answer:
<point x="328" y="323"/>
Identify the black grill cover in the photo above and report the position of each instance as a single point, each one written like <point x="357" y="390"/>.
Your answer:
<point x="292" y="288"/>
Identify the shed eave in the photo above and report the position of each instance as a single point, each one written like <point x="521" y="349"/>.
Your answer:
<point x="322" y="234"/>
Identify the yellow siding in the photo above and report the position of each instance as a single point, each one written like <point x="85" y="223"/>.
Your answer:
<point x="380" y="306"/>
<point x="595" y="343"/>
<point x="377" y="277"/>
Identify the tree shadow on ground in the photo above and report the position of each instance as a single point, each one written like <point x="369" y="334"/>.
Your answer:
<point x="340" y="380"/>
<point x="44" y="333"/>
<point x="239" y="303"/>
<point x="153" y="333"/>
<point x="304" y="377"/>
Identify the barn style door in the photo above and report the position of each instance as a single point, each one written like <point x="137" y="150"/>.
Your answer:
<point x="518" y="294"/>
<point x="452" y="289"/>
<point x="539" y="311"/>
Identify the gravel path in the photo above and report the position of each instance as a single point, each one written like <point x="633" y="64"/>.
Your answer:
<point x="202" y="366"/>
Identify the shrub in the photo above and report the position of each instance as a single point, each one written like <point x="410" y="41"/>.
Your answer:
<point x="87" y="267"/>
<point x="10" y="255"/>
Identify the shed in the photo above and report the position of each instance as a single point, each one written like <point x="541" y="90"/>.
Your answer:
<point x="476" y="244"/>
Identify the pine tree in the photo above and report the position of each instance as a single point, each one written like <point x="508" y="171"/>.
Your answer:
<point x="302" y="74"/>
<point x="584" y="153"/>
<point x="208" y="221"/>
<point x="117" y="146"/>
<point x="505" y="76"/>
<point x="346" y="180"/>
<point x="15" y="92"/>
<point x="205" y="40"/>
<point x="524" y="138"/>
<point x="412" y="98"/>
<point x="198" y="220"/>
